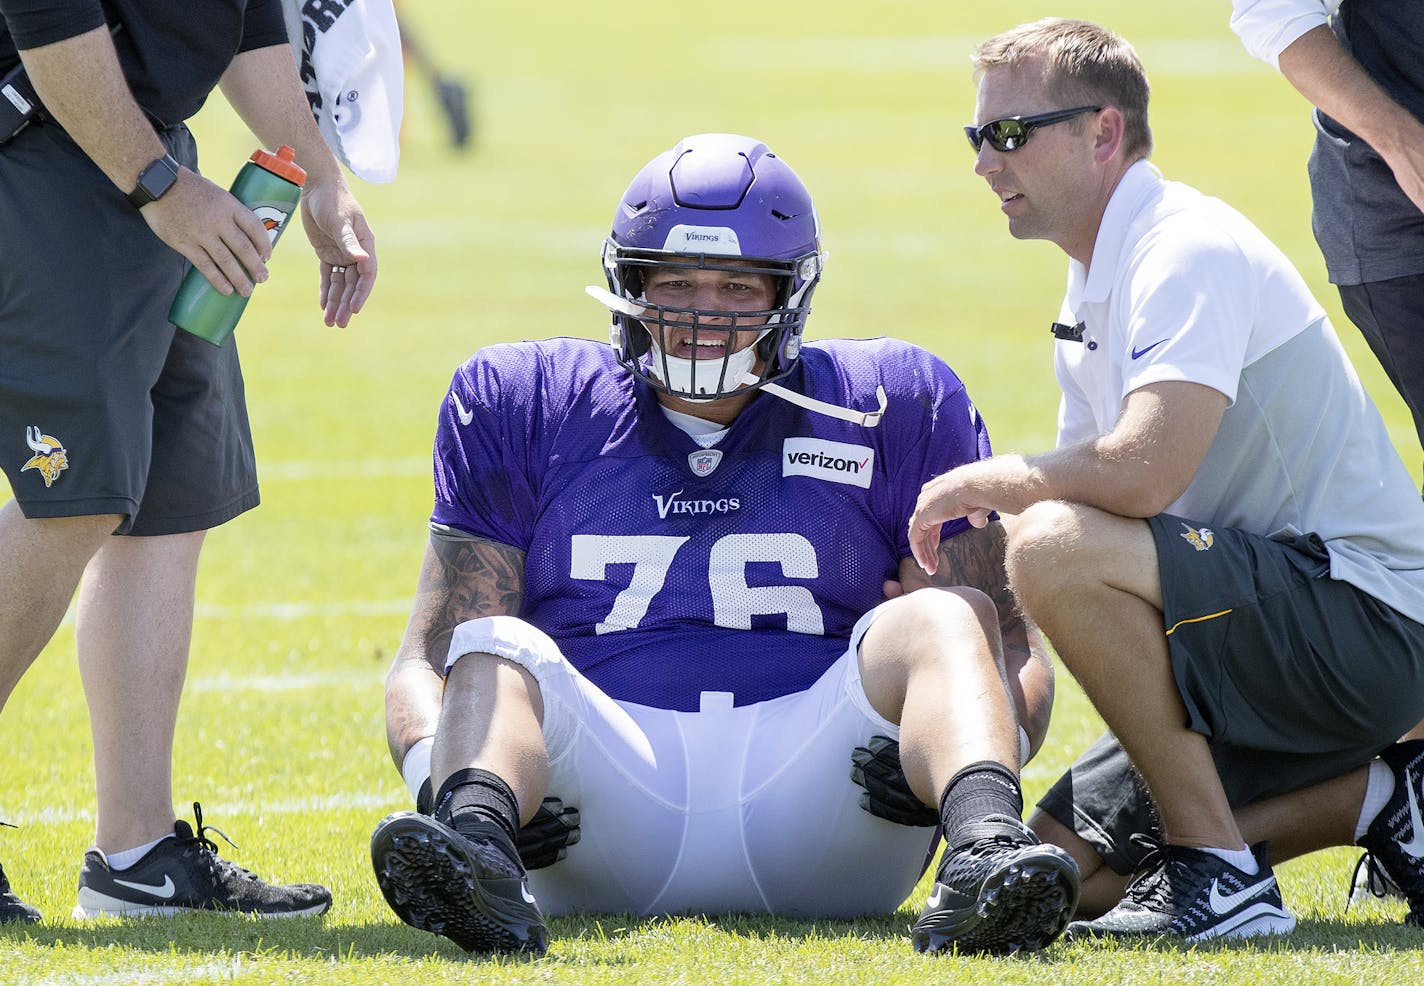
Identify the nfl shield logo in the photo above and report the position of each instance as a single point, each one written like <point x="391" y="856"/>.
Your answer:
<point x="704" y="462"/>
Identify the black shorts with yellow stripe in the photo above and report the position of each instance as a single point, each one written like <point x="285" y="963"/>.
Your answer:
<point x="1292" y="676"/>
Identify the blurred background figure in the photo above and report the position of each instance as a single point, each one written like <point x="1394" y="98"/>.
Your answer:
<point x="453" y="94"/>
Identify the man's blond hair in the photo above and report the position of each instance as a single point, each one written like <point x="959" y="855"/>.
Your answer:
<point x="1086" y="65"/>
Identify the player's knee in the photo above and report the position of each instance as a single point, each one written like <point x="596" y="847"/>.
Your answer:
<point x="923" y="612"/>
<point x="930" y="626"/>
<point x="507" y="637"/>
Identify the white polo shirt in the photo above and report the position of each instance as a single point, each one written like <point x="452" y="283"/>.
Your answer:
<point x="1183" y="287"/>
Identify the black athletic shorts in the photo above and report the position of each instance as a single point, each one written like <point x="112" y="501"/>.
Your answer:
<point x="105" y="407"/>
<point x="1292" y="676"/>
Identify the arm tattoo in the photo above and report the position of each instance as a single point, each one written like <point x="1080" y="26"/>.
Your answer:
<point x="469" y="578"/>
<point x="975" y="558"/>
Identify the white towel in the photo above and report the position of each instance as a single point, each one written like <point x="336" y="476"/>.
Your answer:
<point x="349" y="56"/>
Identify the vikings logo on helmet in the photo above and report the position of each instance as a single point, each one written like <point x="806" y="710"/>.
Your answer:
<point x="50" y="458"/>
<point x="1200" y="538"/>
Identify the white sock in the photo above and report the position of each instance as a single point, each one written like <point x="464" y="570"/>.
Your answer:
<point x="125" y="858"/>
<point x="1378" y="790"/>
<point x="1243" y="859"/>
<point x="415" y="768"/>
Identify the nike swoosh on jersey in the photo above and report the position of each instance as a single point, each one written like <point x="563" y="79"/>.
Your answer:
<point x="164" y="890"/>
<point x="1415" y="845"/>
<point x="1138" y="353"/>
<point x="465" y="416"/>
<point x="1225" y="903"/>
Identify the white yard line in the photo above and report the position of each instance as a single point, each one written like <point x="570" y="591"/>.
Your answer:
<point x="215" y="811"/>
<point x="140" y="976"/>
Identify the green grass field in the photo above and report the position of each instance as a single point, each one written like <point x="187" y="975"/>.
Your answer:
<point x="302" y="602"/>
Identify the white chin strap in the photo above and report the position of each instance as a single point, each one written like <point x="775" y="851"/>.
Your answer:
<point x="866" y="419"/>
<point x="738" y="369"/>
<point x="735" y="368"/>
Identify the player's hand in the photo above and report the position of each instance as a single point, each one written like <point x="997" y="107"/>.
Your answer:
<point x="214" y="231"/>
<point x="876" y="767"/>
<point x="545" y="840"/>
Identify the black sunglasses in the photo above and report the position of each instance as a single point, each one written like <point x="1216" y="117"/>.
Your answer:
<point x="1012" y="133"/>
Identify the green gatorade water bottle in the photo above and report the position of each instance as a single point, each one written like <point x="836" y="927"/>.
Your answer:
<point x="270" y="185"/>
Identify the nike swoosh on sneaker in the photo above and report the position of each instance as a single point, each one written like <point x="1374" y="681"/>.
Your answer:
<point x="1415" y="845"/>
<point x="935" y="897"/>
<point x="1225" y="903"/>
<point x="465" y="416"/>
<point x="163" y="890"/>
<point x="1139" y="353"/>
<point x="524" y="890"/>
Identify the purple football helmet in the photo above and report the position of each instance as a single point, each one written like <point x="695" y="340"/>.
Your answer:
<point x="711" y="199"/>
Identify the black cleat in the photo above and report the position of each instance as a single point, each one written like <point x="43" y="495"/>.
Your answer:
<point x="185" y="873"/>
<point x="1194" y="895"/>
<point x="998" y="895"/>
<point x="12" y="909"/>
<point x="467" y="885"/>
<point x="1394" y="842"/>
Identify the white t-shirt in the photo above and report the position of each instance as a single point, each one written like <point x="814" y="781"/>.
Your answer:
<point x="1183" y="287"/>
<point x="1267" y="27"/>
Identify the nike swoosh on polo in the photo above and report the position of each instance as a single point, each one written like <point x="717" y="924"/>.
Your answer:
<point x="164" y="890"/>
<point x="1226" y="903"/>
<point x="1139" y="353"/>
<point x="465" y="416"/>
<point x="1415" y="845"/>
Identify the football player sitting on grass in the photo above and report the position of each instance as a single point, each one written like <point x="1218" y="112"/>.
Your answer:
<point x="669" y="582"/>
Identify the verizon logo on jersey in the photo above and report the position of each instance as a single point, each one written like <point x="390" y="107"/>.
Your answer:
<point x="836" y="462"/>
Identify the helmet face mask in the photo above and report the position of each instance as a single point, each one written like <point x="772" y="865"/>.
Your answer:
<point x="716" y="202"/>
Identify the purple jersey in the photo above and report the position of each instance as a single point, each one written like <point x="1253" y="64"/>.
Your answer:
<point x="648" y="558"/>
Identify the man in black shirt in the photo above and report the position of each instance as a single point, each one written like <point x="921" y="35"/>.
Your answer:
<point x="113" y="422"/>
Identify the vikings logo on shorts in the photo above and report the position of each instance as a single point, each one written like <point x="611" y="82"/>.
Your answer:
<point x="1200" y="538"/>
<point x="50" y="458"/>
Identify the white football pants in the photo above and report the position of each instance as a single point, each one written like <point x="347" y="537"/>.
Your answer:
<point x="725" y="809"/>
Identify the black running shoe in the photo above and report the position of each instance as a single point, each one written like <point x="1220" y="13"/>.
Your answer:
<point x="12" y="909"/>
<point x="1194" y="895"/>
<point x="998" y="895"/>
<point x="1394" y="842"/>
<point x="467" y="885"/>
<point x="185" y="873"/>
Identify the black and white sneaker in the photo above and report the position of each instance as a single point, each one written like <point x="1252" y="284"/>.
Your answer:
<point x="998" y="895"/>
<point x="12" y="909"/>
<point x="185" y="873"/>
<point x="1394" y="842"/>
<point x="467" y="885"/>
<point x="1194" y="895"/>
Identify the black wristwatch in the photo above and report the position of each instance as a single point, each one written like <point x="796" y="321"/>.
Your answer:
<point x="154" y="181"/>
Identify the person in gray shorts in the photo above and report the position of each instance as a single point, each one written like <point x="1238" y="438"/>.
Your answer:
<point x="114" y="423"/>
<point x="1225" y="548"/>
<point x="1361" y="63"/>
